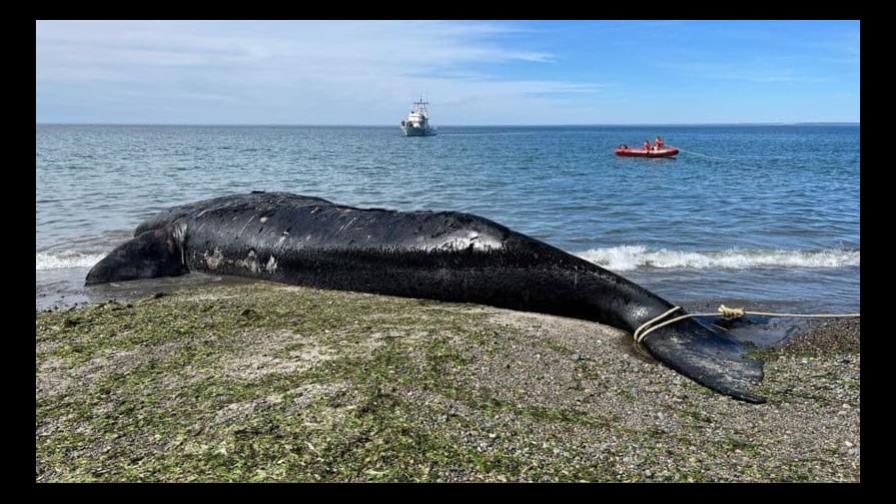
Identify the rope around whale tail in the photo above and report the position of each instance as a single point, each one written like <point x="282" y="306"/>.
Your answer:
<point x="727" y="313"/>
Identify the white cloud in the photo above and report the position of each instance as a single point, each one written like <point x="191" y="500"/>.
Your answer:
<point x="338" y="69"/>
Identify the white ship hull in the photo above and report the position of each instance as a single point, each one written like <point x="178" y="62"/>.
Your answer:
<point x="411" y="130"/>
<point x="417" y="123"/>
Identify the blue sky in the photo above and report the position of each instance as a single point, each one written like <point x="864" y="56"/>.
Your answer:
<point x="472" y="72"/>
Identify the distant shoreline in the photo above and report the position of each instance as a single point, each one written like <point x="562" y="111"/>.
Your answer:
<point x="681" y="125"/>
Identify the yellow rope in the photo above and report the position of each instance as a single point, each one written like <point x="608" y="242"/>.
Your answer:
<point x="727" y="313"/>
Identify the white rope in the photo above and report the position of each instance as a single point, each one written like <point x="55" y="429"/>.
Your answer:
<point x="727" y="313"/>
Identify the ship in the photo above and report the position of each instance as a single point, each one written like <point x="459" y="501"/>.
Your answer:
<point x="417" y="123"/>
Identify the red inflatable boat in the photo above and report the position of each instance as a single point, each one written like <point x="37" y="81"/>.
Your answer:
<point x="629" y="152"/>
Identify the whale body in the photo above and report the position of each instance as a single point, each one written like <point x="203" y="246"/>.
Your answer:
<point x="447" y="256"/>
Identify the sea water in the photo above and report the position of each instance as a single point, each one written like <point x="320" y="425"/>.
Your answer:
<point x="760" y="216"/>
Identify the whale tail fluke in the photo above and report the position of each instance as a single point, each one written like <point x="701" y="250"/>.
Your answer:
<point x="152" y="254"/>
<point x="708" y="357"/>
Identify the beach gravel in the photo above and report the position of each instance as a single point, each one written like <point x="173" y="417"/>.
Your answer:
<point x="265" y="382"/>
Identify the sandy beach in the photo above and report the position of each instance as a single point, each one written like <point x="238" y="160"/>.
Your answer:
<point x="265" y="382"/>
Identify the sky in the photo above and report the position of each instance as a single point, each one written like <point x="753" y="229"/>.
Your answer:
<point x="471" y="72"/>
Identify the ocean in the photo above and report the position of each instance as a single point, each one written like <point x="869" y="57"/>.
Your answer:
<point x="755" y="216"/>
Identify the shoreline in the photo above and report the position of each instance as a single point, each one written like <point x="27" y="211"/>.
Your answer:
<point x="268" y="382"/>
<point x="64" y="289"/>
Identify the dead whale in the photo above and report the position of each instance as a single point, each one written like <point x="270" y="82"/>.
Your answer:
<point x="446" y="256"/>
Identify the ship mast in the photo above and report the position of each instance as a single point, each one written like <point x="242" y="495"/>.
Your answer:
<point x="421" y="107"/>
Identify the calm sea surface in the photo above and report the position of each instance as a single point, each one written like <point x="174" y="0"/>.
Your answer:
<point x="758" y="215"/>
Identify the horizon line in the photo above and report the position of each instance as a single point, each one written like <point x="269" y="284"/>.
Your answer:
<point x="797" y="123"/>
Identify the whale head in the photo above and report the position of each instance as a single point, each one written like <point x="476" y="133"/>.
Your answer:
<point x="152" y="254"/>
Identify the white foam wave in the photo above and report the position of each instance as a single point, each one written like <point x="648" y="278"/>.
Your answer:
<point x="630" y="257"/>
<point x="622" y="258"/>
<point x="67" y="259"/>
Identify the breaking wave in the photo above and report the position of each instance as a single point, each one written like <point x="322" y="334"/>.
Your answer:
<point x="68" y="259"/>
<point x="622" y="258"/>
<point x="630" y="257"/>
